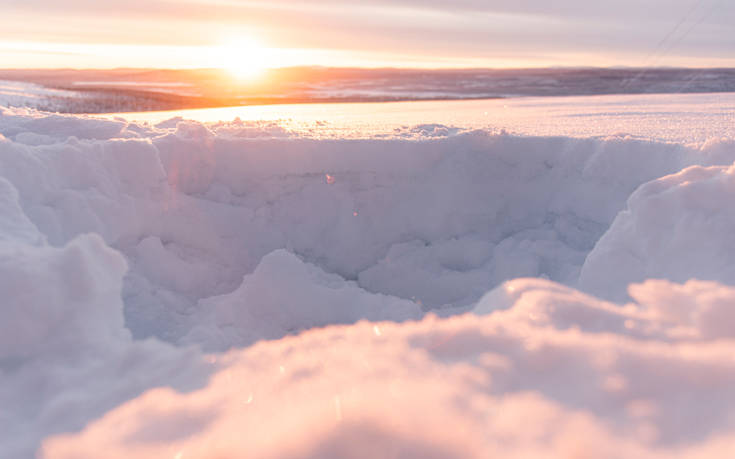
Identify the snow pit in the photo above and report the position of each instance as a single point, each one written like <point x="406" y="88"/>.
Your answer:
<point x="231" y="290"/>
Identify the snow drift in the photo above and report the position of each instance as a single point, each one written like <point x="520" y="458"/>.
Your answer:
<point x="670" y="226"/>
<point x="557" y="374"/>
<point x="126" y="249"/>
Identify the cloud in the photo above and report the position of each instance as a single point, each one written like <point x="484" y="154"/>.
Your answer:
<point x="604" y="32"/>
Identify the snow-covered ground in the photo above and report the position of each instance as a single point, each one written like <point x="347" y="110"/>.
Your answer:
<point x="680" y="118"/>
<point x="257" y="289"/>
<point x="30" y="95"/>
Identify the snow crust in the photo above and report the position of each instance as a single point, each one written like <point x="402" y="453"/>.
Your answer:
<point x="152" y="277"/>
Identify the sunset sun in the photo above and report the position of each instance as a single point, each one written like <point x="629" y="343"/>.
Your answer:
<point x="243" y="57"/>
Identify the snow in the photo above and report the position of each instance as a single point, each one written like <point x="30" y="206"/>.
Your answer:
<point x="191" y="289"/>
<point x="65" y="354"/>
<point x="669" y="225"/>
<point x="557" y="374"/>
<point x="261" y="308"/>
<point x="20" y="94"/>
<point x="679" y="118"/>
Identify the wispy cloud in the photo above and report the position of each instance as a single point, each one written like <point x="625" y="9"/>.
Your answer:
<point x="569" y="31"/>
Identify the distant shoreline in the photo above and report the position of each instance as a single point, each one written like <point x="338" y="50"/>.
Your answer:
<point x="139" y="90"/>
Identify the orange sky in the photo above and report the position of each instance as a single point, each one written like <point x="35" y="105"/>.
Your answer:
<point x="406" y="33"/>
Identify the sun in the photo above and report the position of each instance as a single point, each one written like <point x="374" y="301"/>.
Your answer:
<point x="244" y="58"/>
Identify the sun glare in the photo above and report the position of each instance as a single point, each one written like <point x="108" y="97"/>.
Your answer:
<point x="243" y="58"/>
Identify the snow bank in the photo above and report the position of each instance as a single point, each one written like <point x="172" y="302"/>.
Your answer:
<point x="556" y="374"/>
<point x="677" y="227"/>
<point x="65" y="354"/>
<point x="121" y="244"/>
<point x="437" y="219"/>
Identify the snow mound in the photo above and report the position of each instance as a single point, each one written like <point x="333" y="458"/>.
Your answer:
<point x="270" y="304"/>
<point x="555" y="374"/>
<point x="677" y="227"/>
<point x="65" y="354"/>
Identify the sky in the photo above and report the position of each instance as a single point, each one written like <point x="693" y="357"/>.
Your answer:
<point x="367" y="33"/>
